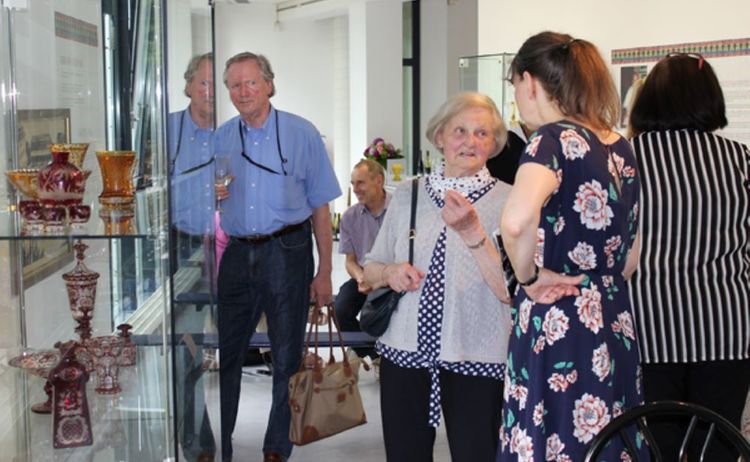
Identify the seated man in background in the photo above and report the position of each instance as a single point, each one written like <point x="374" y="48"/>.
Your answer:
<point x="358" y="228"/>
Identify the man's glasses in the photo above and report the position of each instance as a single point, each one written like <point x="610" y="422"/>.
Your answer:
<point x="697" y="56"/>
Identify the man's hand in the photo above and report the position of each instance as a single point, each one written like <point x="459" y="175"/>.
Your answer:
<point x="321" y="290"/>
<point x="221" y="191"/>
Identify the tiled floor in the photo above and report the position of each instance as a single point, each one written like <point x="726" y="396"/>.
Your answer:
<point x="360" y="444"/>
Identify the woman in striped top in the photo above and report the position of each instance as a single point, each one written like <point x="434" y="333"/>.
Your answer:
<point x="691" y="293"/>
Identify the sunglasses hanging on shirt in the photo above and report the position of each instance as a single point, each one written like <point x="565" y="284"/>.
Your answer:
<point x="278" y="149"/>
<point x="173" y="161"/>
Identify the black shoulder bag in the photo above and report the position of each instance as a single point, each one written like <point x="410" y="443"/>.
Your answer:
<point x="381" y="303"/>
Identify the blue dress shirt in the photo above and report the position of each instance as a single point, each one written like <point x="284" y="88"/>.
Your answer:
<point x="261" y="202"/>
<point x="192" y="174"/>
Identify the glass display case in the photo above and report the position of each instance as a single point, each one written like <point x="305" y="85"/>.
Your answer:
<point x="488" y="74"/>
<point x="84" y="244"/>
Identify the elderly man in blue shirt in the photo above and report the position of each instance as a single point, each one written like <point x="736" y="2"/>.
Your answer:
<point x="193" y="204"/>
<point x="281" y="190"/>
<point x="191" y="158"/>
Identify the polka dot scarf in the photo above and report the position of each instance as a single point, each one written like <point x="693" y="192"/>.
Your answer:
<point x="465" y="184"/>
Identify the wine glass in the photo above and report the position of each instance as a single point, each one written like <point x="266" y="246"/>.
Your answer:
<point x="222" y="173"/>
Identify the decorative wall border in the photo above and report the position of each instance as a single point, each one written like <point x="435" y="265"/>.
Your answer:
<point x="713" y="49"/>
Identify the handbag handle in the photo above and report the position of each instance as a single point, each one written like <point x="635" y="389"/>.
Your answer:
<point x="313" y="338"/>
<point x="413" y="218"/>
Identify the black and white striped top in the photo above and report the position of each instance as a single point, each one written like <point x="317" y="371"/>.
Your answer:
<point x="691" y="292"/>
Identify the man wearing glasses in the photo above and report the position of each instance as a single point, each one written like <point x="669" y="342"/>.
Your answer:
<point x="283" y="182"/>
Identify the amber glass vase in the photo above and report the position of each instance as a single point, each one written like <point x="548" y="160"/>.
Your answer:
<point x="117" y="178"/>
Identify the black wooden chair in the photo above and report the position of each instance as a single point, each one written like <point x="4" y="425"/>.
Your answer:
<point x="637" y="418"/>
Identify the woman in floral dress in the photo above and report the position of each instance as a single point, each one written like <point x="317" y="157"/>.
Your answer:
<point x="569" y="228"/>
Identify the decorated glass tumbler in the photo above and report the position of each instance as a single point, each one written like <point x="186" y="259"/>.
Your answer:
<point x="117" y="178"/>
<point x="106" y="351"/>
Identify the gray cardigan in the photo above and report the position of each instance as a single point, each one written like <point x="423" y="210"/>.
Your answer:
<point x="476" y="325"/>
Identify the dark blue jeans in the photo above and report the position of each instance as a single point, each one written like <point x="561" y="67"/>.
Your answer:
<point x="272" y="278"/>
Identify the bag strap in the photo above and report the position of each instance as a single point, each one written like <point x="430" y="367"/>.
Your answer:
<point x="313" y="339"/>
<point x="413" y="220"/>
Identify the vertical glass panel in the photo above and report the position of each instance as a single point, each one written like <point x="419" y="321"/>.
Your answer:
<point x="190" y="92"/>
<point x="487" y="74"/>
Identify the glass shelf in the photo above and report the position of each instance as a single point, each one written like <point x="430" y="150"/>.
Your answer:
<point x="130" y="425"/>
<point x="147" y="216"/>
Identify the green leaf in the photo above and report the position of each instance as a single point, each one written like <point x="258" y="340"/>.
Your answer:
<point x="566" y="268"/>
<point x="638" y="440"/>
<point x="510" y="363"/>
<point x="586" y="280"/>
<point x="550" y="219"/>
<point x="559" y="365"/>
<point x="537" y="323"/>
<point x="627" y="342"/>
<point x="511" y="419"/>
<point x="524" y="373"/>
<point x="518" y="331"/>
<point x="569" y="365"/>
<point x="570" y="126"/>
<point x="612" y="192"/>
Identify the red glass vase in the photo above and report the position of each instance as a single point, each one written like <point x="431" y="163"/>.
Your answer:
<point x="71" y="422"/>
<point x="127" y="358"/>
<point x="61" y="182"/>
<point x="106" y="351"/>
<point x="81" y="285"/>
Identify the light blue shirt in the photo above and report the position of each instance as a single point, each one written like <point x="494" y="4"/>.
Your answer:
<point x="261" y="202"/>
<point x="192" y="174"/>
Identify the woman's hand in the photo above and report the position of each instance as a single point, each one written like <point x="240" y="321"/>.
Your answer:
<point x="402" y="277"/>
<point x="362" y="286"/>
<point x="551" y="287"/>
<point x="459" y="215"/>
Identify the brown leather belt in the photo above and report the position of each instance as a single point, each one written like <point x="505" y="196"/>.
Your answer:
<point x="261" y="238"/>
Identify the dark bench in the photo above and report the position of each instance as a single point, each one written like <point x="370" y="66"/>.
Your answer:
<point x="259" y="339"/>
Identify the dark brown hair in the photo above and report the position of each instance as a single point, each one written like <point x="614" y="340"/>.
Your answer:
<point x="573" y="74"/>
<point x="681" y="91"/>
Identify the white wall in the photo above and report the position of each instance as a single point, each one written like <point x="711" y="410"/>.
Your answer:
<point x="300" y="53"/>
<point x="504" y="25"/>
<point x="448" y="31"/>
<point x="339" y="67"/>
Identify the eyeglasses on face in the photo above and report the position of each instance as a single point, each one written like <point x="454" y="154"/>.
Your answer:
<point x="697" y="56"/>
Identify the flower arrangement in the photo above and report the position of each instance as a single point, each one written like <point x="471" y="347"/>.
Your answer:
<point x="380" y="151"/>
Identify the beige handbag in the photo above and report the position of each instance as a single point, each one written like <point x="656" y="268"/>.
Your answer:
<point x="324" y="398"/>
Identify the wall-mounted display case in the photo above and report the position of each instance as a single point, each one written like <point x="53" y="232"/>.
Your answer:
<point x="488" y="74"/>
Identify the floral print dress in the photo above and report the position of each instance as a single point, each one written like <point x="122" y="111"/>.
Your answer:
<point x="574" y="365"/>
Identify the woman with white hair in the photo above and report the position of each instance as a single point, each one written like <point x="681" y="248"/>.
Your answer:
<point x="445" y="346"/>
